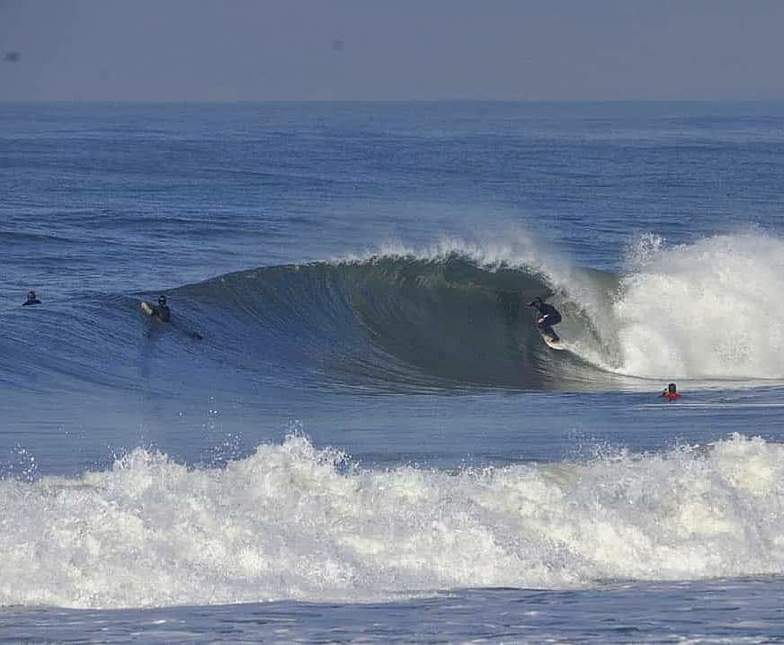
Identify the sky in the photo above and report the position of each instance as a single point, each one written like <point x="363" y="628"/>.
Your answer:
<point x="254" y="50"/>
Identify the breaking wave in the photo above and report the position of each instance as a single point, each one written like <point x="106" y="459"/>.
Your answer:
<point x="455" y="315"/>
<point x="705" y="310"/>
<point x="295" y="522"/>
<point x="449" y="317"/>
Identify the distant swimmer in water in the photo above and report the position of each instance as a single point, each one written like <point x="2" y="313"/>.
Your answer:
<point x="548" y="316"/>
<point x="32" y="299"/>
<point x="670" y="393"/>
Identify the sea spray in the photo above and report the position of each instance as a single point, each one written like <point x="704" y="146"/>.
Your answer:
<point x="711" y="309"/>
<point x="295" y="522"/>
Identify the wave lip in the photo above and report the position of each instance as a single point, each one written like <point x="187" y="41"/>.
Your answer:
<point x="294" y="522"/>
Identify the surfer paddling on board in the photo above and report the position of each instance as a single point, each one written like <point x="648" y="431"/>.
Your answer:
<point x="162" y="313"/>
<point x="548" y="316"/>
<point x="670" y="393"/>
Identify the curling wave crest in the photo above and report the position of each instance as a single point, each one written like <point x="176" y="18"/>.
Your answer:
<point x="455" y="315"/>
<point x="295" y="522"/>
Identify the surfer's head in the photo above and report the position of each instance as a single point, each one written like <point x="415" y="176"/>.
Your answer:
<point x="536" y="302"/>
<point x="162" y="300"/>
<point x="31" y="295"/>
<point x="672" y="388"/>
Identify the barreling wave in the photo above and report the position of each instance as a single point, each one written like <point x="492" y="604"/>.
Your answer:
<point x="295" y="522"/>
<point x="452" y="317"/>
<point x="399" y="321"/>
<point x="456" y="316"/>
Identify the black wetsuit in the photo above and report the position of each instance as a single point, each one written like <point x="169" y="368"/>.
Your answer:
<point x="548" y="316"/>
<point x="34" y="301"/>
<point x="161" y="312"/>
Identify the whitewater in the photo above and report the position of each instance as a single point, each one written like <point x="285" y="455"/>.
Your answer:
<point x="352" y="430"/>
<point x="293" y="522"/>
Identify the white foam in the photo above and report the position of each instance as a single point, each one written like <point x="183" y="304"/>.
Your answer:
<point x="294" y="522"/>
<point x="707" y="310"/>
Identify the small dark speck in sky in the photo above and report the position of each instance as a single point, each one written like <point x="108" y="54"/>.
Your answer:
<point x="12" y="57"/>
<point x="337" y="45"/>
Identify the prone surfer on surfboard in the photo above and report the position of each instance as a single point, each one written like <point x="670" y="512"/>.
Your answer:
<point x="548" y="316"/>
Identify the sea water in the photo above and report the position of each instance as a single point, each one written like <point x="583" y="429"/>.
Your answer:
<point x="351" y="429"/>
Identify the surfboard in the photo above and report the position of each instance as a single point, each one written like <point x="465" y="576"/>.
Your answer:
<point x="553" y="342"/>
<point x="146" y="308"/>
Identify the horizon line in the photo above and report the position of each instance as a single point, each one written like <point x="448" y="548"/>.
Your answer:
<point x="190" y="101"/>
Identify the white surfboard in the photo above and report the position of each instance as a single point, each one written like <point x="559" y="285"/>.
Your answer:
<point x="146" y="307"/>
<point x="552" y="342"/>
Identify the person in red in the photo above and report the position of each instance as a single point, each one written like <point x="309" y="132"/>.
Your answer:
<point x="671" y="393"/>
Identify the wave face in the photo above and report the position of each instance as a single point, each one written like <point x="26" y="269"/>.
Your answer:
<point x="398" y="321"/>
<point x="294" y="522"/>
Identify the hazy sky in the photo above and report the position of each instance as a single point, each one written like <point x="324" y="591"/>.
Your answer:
<point x="397" y="49"/>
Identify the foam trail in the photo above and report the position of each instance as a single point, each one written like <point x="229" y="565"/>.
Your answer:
<point x="294" y="522"/>
<point x="708" y="310"/>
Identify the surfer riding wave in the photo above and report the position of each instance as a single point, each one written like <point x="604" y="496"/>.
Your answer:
<point x="548" y="316"/>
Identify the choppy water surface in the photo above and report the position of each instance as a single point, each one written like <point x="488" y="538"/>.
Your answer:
<point x="351" y="429"/>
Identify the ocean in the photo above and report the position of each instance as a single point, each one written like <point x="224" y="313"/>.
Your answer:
<point x="351" y="429"/>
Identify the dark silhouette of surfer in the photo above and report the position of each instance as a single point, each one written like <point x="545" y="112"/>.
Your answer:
<point x="162" y="313"/>
<point x="548" y="316"/>
<point x="32" y="299"/>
